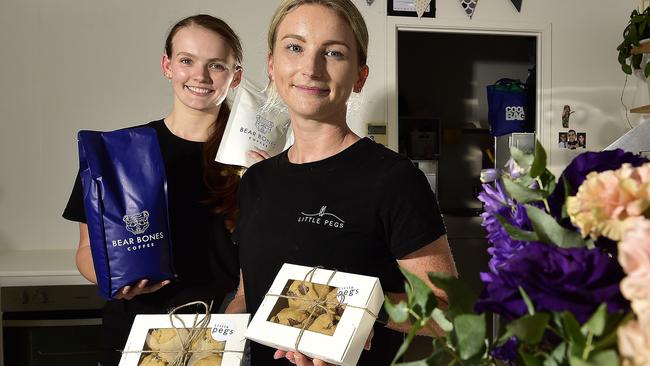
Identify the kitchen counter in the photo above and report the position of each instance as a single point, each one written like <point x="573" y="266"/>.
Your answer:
<point x="39" y="268"/>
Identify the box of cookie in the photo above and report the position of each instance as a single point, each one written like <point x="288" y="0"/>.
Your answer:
<point x="321" y="313"/>
<point x="186" y="339"/>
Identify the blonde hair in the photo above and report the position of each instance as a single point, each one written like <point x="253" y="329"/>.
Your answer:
<point x="345" y="8"/>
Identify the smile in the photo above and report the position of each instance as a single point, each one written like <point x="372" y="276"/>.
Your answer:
<point x="198" y="91"/>
<point x="312" y="89"/>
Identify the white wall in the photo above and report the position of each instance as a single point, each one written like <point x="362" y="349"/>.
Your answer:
<point x="70" y="65"/>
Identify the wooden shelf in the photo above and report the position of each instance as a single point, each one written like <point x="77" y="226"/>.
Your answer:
<point x="642" y="109"/>
<point x="642" y="48"/>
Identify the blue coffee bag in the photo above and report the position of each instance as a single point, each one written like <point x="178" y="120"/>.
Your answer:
<point x="125" y="199"/>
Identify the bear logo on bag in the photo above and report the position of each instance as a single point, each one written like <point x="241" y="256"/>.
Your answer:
<point x="262" y="124"/>
<point x="137" y="223"/>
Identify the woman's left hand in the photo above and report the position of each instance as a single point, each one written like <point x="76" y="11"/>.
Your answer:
<point x="257" y="155"/>
<point x="299" y="359"/>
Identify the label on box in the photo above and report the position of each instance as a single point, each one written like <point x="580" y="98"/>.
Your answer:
<point x="222" y="331"/>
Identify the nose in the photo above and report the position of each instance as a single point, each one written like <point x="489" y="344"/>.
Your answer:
<point x="313" y="64"/>
<point x="201" y="73"/>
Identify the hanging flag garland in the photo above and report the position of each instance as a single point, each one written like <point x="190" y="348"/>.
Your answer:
<point x="517" y="4"/>
<point x="421" y="6"/>
<point x="469" y="6"/>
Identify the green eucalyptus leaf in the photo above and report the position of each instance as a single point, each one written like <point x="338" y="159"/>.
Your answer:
<point x="614" y="320"/>
<point x="539" y="163"/>
<point x="398" y="312"/>
<point x="529" y="328"/>
<point x="470" y="333"/>
<point x="461" y="297"/>
<point x="515" y="232"/>
<point x="604" y="358"/>
<point x="527" y="359"/>
<point x="577" y="361"/>
<point x="550" y="232"/>
<point x="596" y="324"/>
<point x="522" y="159"/>
<point x="442" y="321"/>
<point x="421" y="297"/>
<point x="521" y="193"/>
<point x="527" y="300"/>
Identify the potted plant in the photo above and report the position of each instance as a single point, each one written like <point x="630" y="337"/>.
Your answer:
<point x="637" y="30"/>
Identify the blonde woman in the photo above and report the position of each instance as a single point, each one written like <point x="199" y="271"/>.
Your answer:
<point x="332" y="199"/>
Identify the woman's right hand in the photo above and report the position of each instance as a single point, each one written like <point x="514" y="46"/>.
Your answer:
<point x="140" y="288"/>
<point x="257" y="155"/>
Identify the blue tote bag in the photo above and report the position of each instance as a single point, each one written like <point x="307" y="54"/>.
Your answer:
<point x="507" y="107"/>
<point x="125" y="199"/>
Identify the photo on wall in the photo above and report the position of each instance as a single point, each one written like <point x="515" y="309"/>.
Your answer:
<point x="572" y="140"/>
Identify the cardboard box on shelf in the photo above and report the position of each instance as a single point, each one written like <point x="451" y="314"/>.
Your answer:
<point x="320" y="313"/>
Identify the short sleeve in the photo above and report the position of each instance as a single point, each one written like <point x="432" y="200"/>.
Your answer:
<point x="74" y="210"/>
<point x="409" y="210"/>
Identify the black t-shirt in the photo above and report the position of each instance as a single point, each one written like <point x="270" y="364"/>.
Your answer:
<point x="205" y="258"/>
<point x="357" y="211"/>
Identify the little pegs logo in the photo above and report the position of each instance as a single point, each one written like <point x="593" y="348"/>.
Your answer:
<point x="322" y="218"/>
<point x="221" y="332"/>
<point x="346" y="292"/>
<point x="137" y="223"/>
<point x="515" y="114"/>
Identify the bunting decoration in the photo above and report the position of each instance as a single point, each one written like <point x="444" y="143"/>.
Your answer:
<point x="421" y="6"/>
<point x="470" y="5"/>
<point x="517" y="4"/>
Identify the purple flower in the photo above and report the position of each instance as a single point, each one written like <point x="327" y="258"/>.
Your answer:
<point x="496" y="202"/>
<point x="507" y="351"/>
<point x="576" y="172"/>
<point x="556" y="279"/>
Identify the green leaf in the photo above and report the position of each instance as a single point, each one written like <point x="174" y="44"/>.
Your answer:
<point x="522" y="159"/>
<point x="636" y="61"/>
<point x="604" y="358"/>
<point x="522" y="194"/>
<point x="572" y="329"/>
<point x="627" y="69"/>
<point x="527" y="300"/>
<point x="405" y="345"/>
<point x="461" y="297"/>
<point x="421" y="297"/>
<point x="557" y="357"/>
<point x="515" y="232"/>
<point x="527" y="359"/>
<point x="577" y="361"/>
<point x="548" y="181"/>
<point x="470" y="333"/>
<point x="529" y="328"/>
<point x="398" y="312"/>
<point x="539" y="164"/>
<point x="550" y="232"/>
<point x="596" y="324"/>
<point x="646" y="70"/>
<point x="440" y="319"/>
<point x="614" y="320"/>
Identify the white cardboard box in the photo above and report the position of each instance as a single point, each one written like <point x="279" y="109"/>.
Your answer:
<point x="223" y="327"/>
<point x="344" y="347"/>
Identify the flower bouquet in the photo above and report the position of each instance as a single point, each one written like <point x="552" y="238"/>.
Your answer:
<point x="569" y="274"/>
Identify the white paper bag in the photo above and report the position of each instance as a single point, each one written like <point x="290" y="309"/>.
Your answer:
<point x="253" y="124"/>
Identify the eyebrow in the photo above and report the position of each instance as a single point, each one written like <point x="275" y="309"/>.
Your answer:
<point x="191" y="55"/>
<point x="326" y="43"/>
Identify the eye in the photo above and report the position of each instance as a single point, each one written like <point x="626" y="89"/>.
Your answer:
<point x="185" y="61"/>
<point x="335" y="54"/>
<point x="217" y="67"/>
<point x="294" y="48"/>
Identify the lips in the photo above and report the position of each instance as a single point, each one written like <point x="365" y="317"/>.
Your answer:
<point x="313" y="90"/>
<point x="198" y="90"/>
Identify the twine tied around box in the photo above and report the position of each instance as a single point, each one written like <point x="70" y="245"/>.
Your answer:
<point x="199" y="325"/>
<point x="319" y="303"/>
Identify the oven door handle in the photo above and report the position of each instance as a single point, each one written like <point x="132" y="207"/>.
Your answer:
<point x="51" y="322"/>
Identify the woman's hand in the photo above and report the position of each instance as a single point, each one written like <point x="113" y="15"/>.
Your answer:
<point x="299" y="359"/>
<point x="257" y="155"/>
<point x="129" y="292"/>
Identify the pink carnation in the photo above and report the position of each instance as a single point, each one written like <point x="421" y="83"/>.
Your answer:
<point x="634" y="257"/>
<point x="606" y="201"/>
<point x="634" y="344"/>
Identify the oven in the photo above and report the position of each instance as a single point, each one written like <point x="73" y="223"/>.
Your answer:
<point x="51" y="325"/>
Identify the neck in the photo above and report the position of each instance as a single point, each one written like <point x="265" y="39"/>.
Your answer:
<point x="191" y="124"/>
<point x="315" y="140"/>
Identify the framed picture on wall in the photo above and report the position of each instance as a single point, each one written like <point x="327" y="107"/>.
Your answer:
<point x="406" y="8"/>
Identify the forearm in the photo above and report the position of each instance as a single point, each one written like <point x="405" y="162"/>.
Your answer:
<point x="237" y="305"/>
<point x="84" y="262"/>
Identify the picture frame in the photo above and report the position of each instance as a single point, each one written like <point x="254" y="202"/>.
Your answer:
<point x="406" y="8"/>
